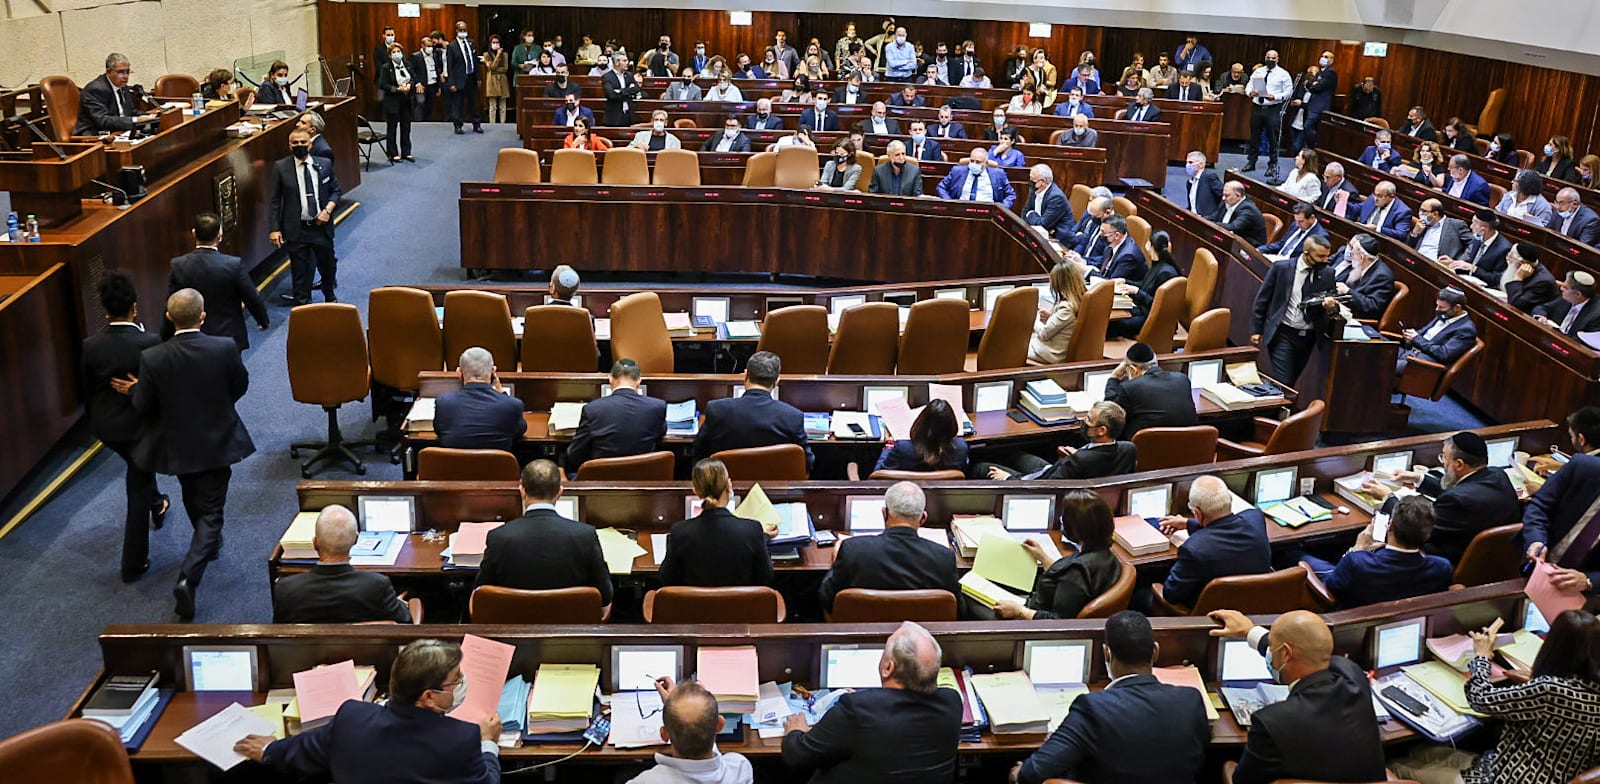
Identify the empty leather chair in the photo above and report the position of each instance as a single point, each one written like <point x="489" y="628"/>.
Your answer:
<point x="516" y="165"/>
<point x="403" y="337"/>
<point x="327" y="356"/>
<point x="1138" y="231"/>
<point x="245" y="95"/>
<point x="443" y="464"/>
<point x="1209" y="331"/>
<point x="1488" y="123"/>
<point x="1161" y="326"/>
<point x="573" y="167"/>
<point x="1080" y="197"/>
<point x="796" y="167"/>
<point x="740" y="604"/>
<point x="1202" y="284"/>
<point x="1492" y="555"/>
<point x="935" y="340"/>
<point x="1390" y="322"/>
<point x="639" y="333"/>
<point x="870" y="605"/>
<point x="1094" y="314"/>
<point x="759" y="170"/>
<point x="1175" y="447"/>
<point x="1115" y="599"/>
<point x="1432" y="380"/>
<point x="60" y="96"/>
<point x="677" y="167"/>
<point x="82" y="751"/>
<point x="897" y="475"/>
<point x="495" y="604"/>
<point x="1296" y="433"/>
<point x="868" y="162"/>
<point x="181" y="86"/>
<point x="1378" y="121"/>
<point x="558" y="339"/>
<point x="684" y="122"/>
<point x="482" y="319"/>
<point x="867" y="342"/>
<point x="625" y="166"/>
<point x="1123" y="206"/>
<point x="1274" y="225"/>
<point x="1498" y="191"/>
<point x="1274" y="593"/>
<point x="1005" y="340"/>
<point x="1525" y="160"/>
<point x="648" y="467"/>
<point x="798" y="334"/>
<point x="775" y="463"/>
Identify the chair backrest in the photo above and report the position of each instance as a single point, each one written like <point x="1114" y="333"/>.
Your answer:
<point x="403" y="335"/>
<point x="1080" y="197"/>
<point x="639" y="332"/>
<point x="1274" y="225"/>
<point x="496" y="604"/>
<point x="1005" y="341"/>
<point x="1498" y="191"/>
<point x="1124" y="206"/>
<point x="1161" y="326"/>
<point x="82" y="751"/>
<point x="1491" y="556"/>
<point x="176" y="86"/>
<point x="1456" y="368"/>
<point x="625" y="166"/>
<point x="734" y="604"/>
<point x="1208" y="331"/>
<point x="798" y="334"/>
<point x="796" y="167"/>
<point x="1120" y="114"/>
<point x="759" y="170"/>
<point x="1525" y="160"/>
<point x="516" y="165"/>
<point x="1378" y="121"/>
<point x="871" y="605"/>
<point x="935" y="340"/>
<point x="648" y="467"/>
<point x="868" y="340"/>
<point x="1298" y="431"/>
<point x="1390" y="321"/>
<point x="482" y="319"/>
<point x="573" y="167"/>
<point x="1089" y="333"/>
<point x="1285" y="590"/>
<point x="867" y="161"/>
<point x="1116" y="598"/>
<point x="327" y="354"/>
<point x="1174" y="447"/>
<point x="1482" y="143"/>
<point x="1138" y="230"/>
<point x="1202" y="284"/>
<point x="899" y="475"/>
<point x="60" y="95"/>
<point x="775" y="463"/>
<point x="558" y="339"/>
<point x="677" y="167"/>
<point x="443" y="464"/>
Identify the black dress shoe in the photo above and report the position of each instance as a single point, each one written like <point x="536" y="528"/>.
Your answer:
<point x="130" y="576"/>
<point x="329" y="298"/>
<point x="158" y="515"/>
<point x="184" y="594"/>
<point x="1249" y="167"/>
<point x="477" y="129"/>
<point x="459" y="131"/>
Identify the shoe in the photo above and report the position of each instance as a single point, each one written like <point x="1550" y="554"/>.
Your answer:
<point x="411" y="158"/>
<point x="477" y="129"/>
<point x="130" y="576"/>
<point x="1249" y="167"/>
<point x="394" y="159"/>
<point x="1273" y="178"/>
<point x="158" y="517"/>
<point x="329" y="298"/>
<point x="184" y="594"/>
<point x="459" y="131"/>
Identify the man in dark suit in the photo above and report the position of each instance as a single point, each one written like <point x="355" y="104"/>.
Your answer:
<point x="1046" y="206"/>
<point x="732" y="139"/>
<point x="946" y="127"/>
<point x="311" y="122"/>
<point x="1437" y="234"/>
<point x="968" y="183"/>
<point x="898" y="176"/>
<point x="1574" y="219"/>
<point x="1303" y="224"/>
<point x="221" y="280"/>
<point x="463" y="74"/>
<point x="1320" y="90"/>
<point x="1333" y="184"/>
<point x="1240" y="215"/>
<point x="1385" y="213"/>
<point x="1531" y="287"/>
<point x="304" y="193"/>
<point x="1464" y="183"/>
<point x="907" y="97"/>
<point x="1292" y="309"/>
<point x="906" y="732"/>
<point x="755" y="418"/>
<point x="622" y="89"/>
<point x="380" y="53"/>
<point x="1566" y="503"/>
<point x="1485" y="257"/>
<point x="1576" y="310"/>
<point x="1381" y="154"/>
<point x="334" y="591"/>
<point x="879" y="124"/>
<point x="1103" y="740"/>
<point x="1204" y="187"/>
<point x="923" y="148"/>
<point x="819" y="117"/>
<point x="108" y="358"/>
<point x="1373" y="571"/>
<point x="571" y="109"/>
<point x="1124" y="258"/>
<point x="1220" y="543"/>
<point x="715" y="548"/>
<point x="764" y="119"/>
<point x="427" y="69"/>
<point x="1103" y="455"/>
<point x="896" y="560"/>
<point x="185" y="391"/>
<point x="1149" y="395"/>
<point x="1469" y="495"/>
<point x="408" y="737"/>
<point x="1326" y="729"/>
<point x="541" y="550"/>
<point x="105" y="104"/>
<point x="1417" y="125"/>
<point x="1141" y="109"/>
<point x="1448" y="335"/>
<point x="620" y="424"/>
<point x="1087" y="238"/>
<point x="479" y="415"/>
<point x="1366" y="280"/>
<point x="1186" y="89"/>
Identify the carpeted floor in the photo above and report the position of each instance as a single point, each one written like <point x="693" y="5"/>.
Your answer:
<point x="61" y="567"/>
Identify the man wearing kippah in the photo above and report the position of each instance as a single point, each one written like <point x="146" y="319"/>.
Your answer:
<point x="1468" y="495"/>
<point x="1445" y="338"/>
<point x="1576" y="310"/>
<point x="563" y="285"/>
<point x="1149" y="395"/>
<point x="1531" y="286"/>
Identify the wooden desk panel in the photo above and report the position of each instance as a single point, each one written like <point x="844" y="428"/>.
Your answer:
<point x="170" y="149"/>
<point x="39" y="369"/>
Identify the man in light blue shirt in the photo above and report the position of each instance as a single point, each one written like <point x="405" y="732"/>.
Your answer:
<point x="899" y="58"/>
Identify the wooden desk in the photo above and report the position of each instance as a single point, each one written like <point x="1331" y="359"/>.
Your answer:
<point x="170" y="149"/>
<point x="48" y="187"/>
<point x="38" y="364"/>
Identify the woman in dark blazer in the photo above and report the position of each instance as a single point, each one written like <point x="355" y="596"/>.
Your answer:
<point x="934" y="444"/>
<point x="1557" y="162"/>
<point x="1162" y="269"/>
<point x="397" y="84"/>
<point x="1502" y="148"/>
<point x="1070" y="583"/>
<point x="714" y="548"/>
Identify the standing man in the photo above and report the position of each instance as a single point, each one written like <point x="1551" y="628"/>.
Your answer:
<point x="380" y="53"/>
<point x="1292" y="309"/>
<point x="427" y="67"/>
<point x="304" y="193"/>
<point x="1204" y="186"/>
<point x="222" y="281"/>
<point x="105" y="105"/>
<point x="1317" y="96"/>
<point x="1269" y="87"/>
<point x="1562" y="522"/>
<point x="899" y="58"/>
<point x="185" y="391"/>
<point x="462" y="76"/>
<point x="621" y="89"/>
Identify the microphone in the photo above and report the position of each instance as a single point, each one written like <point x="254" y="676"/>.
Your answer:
<point x="138" y="92"/>
<point x="49" y="142"/>
<point x="114" y="189"/>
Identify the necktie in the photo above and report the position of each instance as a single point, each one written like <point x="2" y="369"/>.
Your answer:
<point x="311" y="191"/>
<point x="1483" y="245"/>
<point x="918" y="154"/>
<point x="1579" y="546"/>
<point x="1294" y="241"/>
<point x="118" y="95"/>
<point x="466" y="53"/>
<point x="1138" y="114"/>
<point x="1572" y="316"/>
<point x="972" y="187"/>
<point x="1377" y="217"/>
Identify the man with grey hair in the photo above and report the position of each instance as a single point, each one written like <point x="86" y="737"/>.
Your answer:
<point x="1141" y="109"/>
<point x="1573" y="218"/>
<point x="1087" y="239"/>
<point x="1204" y="186"/>
<point x="1046" y="206"/>
<point x="900" y="175"/>
<point x="1238" y="214"/>
<point x="312" y="123"/>
<point x="905" y="732"/>
<point x="479" y="415"/>
<point x="563" y="286"/>
<point x="1333" y="184"/>
<point x="1220" y="543"/>
<point x="1080" y="135"/>
<point x="1385" y="213"/>
<point x="106" y="105"/>
<point x="334" y="591"/>
<point x="690" y="723"/>
<point x="898" y="559"/>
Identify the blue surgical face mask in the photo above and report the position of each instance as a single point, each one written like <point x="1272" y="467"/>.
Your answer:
<point x="918" y="137"/>
<point x="1383" y="145"/>
<point x="1549" y="150"/>
<point x="1193" y="169"/>
<point x="1324" y="62"/>
<point x="974" y="167"/>
<point x="1272" y="670"/>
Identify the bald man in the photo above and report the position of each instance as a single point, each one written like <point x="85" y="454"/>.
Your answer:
<point x="690" y="723"/>
<point x="1238" y="214"/>
<point x="334" y="591"/>
<point x="1326" y="729"/>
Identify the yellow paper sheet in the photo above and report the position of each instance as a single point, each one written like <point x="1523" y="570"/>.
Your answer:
<point x="1242" y="373"/>
<point x="620" y="550"/>
<point x="563" y="691"/>
<point x="1524" y="650"/>
<point x="1009" y="698"/>
<point x="1002" y="559"/>
<point x="984" y="590"/>
<point x="274" y="715"/>
<point x="756" y="506"/>
<point x="1442" y="681"/>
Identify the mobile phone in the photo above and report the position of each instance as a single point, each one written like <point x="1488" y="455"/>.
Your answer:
<point x="598" y="731"/>
<point x="1017" y="416"/>
<point x="1404" y="700"/>
<point x="826" y="539"/>
<point x="857" y="430"/>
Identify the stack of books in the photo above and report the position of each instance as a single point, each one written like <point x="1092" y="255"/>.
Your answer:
<point x="1138" y="536"/>
<point x="683" y="419"/>
<point x="468" y="543"/>
<point x="730" y="675"/>
<point x="296" y="542"/>
<point x="126" y="702"/>
<point x="420" y="418"/>
<point x="969" y="531"/>
<point x="1046" y="402"/>
<point x="562" y="699"/>
<point x="1227" y="396"/>
<point x="679" y="325"/>
<point x="564" y="418"/>
<point x="973" y="719"/>
<point x="1012" y="704"/>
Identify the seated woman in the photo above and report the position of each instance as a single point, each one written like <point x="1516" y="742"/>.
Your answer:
<point x="935" y="443"/>
<point x="1052" y="332"/>
<point x="1557" y="162"/>
<point x="218" y="86"/>
<point x="583" y="137"/>
<point x="656" y="137"/>
<point x="1429" y="165"/>
<point x="1589" y="171"/>
<point x="1162" y="269"/>
<point x="1070" y="583"/>
<point x="1458" y="137"/>
<point x="840" y="172"/>
<point x="1305" y="180"/>
<point x="1029" y="101"/>
<point x="1005" y="152"/>
<point x="715" y="548"/>
<point x="1503" y="148"/>
<point x="800" y="138"/>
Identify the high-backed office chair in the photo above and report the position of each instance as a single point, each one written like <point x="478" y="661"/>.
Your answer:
<point x="1274" y="225"/>
<point x="1525" y="160"/>
<point x="1296" y="433"/>
<point x="404" y="339"/>
<point x="639" y="332"/>
<point x="796" y="167"/>
<point x="1124" y="206"/>
<point x="176" y="86"/>
<point x="1488" y="122"/>
<point x="867" y="161"/>
<point x="1005" y="341"/>
<point x="1491" y="556"/>
<point x="573" y="167"/>
<point x="516" y="165"/>
<point x="1175" y="447"/>
<point x="1116" y="598"/>
<point x="60" y="96"/>
<point x="1080" y="196"/>
<point x="1432" y="380"/>
<point x="443" y="464"/>
<point x="648" y="467"/>
<point x="870" y="605"/>
<point x="734" y="604"/>
<point x="1202" y="284"/>
<point x="868" y="341"/>
<point x="494" y="604"/>
<point x="1208" y="331"/>
<point x="558" y="339"/>
<point x="482" y="319"/>
<point x="1138" y="231"/>
<point x="1161" y="326"/>
<point x="83" y="751"/>
<point x="1390" y="321"/>
<point x="625" y="166"/>
<point x="677" y="167"/>
<point x="1273" y="593"/>
<point x="327" y="356"/>
<point x="900" y="475"/>
<point x="1482" y="145"/>
<point x="1378" y="121"/>
<point x="775" y="463"/>
<point x="1089" y="334"/>
<point x="685" y="122"/>
<point x="935" y="340"/>
<point x="798" y="334"/>
<point x="759" y="170"/>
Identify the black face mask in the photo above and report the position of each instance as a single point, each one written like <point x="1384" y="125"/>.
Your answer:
<point x="300" y="151"/>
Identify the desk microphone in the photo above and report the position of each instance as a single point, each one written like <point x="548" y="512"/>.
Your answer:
<point x="125" y="200"/>
<point x="44" y="137"/>
<point x="138" y="92"/>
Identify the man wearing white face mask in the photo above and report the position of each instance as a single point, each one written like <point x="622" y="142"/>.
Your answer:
<point x="730" y="140"/>
<point x="977" y="181"/>
<point x="462" y="77"/>
<point x="656" y="138"/>
<point x="899" y="58"/>
<point x="408" y="738"/>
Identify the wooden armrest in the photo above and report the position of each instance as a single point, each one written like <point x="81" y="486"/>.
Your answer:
<point x="1233" y="450"/>
<point x="852" y="471"/>
<point x="1227" y="771"/>
<point x="1392" y="335"/>
<point x="1265" y="427"/>
<point x="1419" y="362"/>
<point x="1160" y="605"/>
<point x="1319" y="589"/>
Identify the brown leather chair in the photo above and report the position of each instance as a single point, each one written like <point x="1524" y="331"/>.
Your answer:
<point x="870" y="605"/>
<point x="868" y="341"/>
<point x="1497" y="191"/>
<point x="867" y="161"/>
<point x="1525" y="160"/>
<point x="1080" y="196"/>
<point x="1202" y="284"/>
<point x="1492" y="555"/>
<point x="1005" y="340"/>
<point x="482" y="319"/>
<point x="443" y="464"/>
<point x="1161" y="326"/>
<point x="1208" y="331"/>
<point x="1483" y="146"/>
<point x="1138" y="231"/>
<point x="775" y="463"/>
<point x="1488" y="122"/>
<point x="176" y="86"/>
<point x="625" y="166"/>
<point x="898" y="475"/>
<point x="798" y="334"/>
<point x="935" y="339"/>
<point x="677" y="167"/>
<point x="404" y="336"/>
<point x="1174" y="447"/>
<point x="796" y="167"/>
<point x="1274" y="225"/>
<point x="1094" y="314"/>
<point x="1378" y="121"/>
<point x="1273" y="593"/>
<point x="494" y="604"/>
<point x="1116" y="598"/>
<point x="327" y="357"/>
<point x="1230" y="766"/>
<point x="1432" y="380"/>
<point x="516" y="165"/>
<point x="60" y="96"/>
<point x="558" y="339"/>
<point x="733" y="604"/>
<point x="82" y="751"/>
<point x="1390" y="321"/>
<point x="573" y="167"/>
<point x="639" y="333"/>
<point x="1124" y="206"/>
<point x="1296" y="433"/>
<point x="684" y="122"/>
<point x="759" y="170"/>
<point x="648" y="467"/>
<point x="245" y="95"/>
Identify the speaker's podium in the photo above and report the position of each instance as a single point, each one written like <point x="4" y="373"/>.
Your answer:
<point x="1355" y="373"/>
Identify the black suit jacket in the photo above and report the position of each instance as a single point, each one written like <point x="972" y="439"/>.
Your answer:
<point x="716" y="549"/>
<point x="772" y="123"/>
<point x="1326" y="731"/>
<point x="1588" y="319"/>
<point x="226" y="286"/>
<point x="1127" y="263"/>
<point x="389" y="84"/>
<point x="186" y="391"/>
<point x="1105" y="737"/>
<point x="884" y="181"/>
<point x="1585" y="225"/>
<point x="1329" y="200"/>
<point x="1057" y="210"/>
<point x="1160" y="398"/>
<point x="884" y="736"/>
<point x="542" y="550"/>
<point x="477" y="417"/>
<point x="1493" y="262"/>
<point x="1370" y="295"/>
<point x="284" y="208"/>
<point x="113" y="353"/>
<point x="457" y="64"/>
<point x="620" y="424"/>
<point x="864" y="125"/>
<point x="1208" y="196"/>
<point x="1093" y="462"/>
<point x="336" y="593"/>
<point x="897" y="559"/>
<point x="1451" y="342"/>
<point x="368" y="743"/>
<point x="1538" y="290"/>
<point x="1423" y="131"/>
<point x="419" y="65"/>
<point x="621" y="93"/>
<point x="271" y="93"/>
<point x="1247" y="222"/>
<point x="1482" y="499"/>
<point x="1152" y="113"/>
<point x="741" y="143"/>
<point x="1272" y="299"/>
<point x="97" y="109"/>
<point x="1230" y="545"/>
<point x="750" y="420"/>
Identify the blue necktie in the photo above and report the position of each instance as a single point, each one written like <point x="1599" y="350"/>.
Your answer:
<point x="972" y="186"/>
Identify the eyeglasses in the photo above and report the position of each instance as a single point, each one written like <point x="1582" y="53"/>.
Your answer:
<point x="123" y="71"/>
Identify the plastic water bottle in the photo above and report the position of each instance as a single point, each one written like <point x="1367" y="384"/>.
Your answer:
<point x="33" y="229"/>
<point x="199" y="103"/>
<point x="13" y="227"/>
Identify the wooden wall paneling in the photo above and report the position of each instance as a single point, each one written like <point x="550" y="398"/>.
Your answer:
<point x="356" y="29"/>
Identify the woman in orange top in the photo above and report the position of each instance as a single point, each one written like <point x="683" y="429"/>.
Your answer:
<point x="582" y="138"/>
